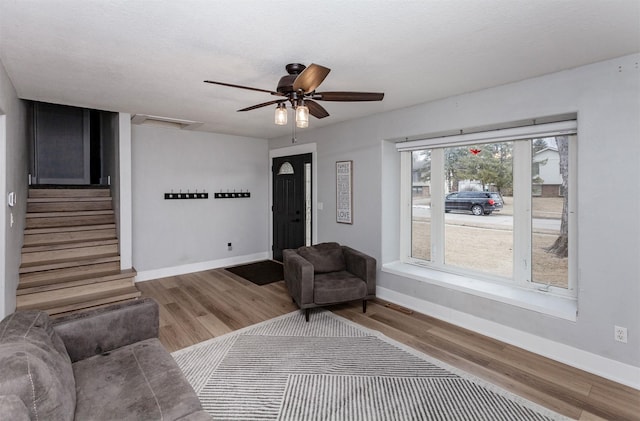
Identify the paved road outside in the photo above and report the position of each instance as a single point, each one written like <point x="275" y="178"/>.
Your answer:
<point x="494" y="220"/>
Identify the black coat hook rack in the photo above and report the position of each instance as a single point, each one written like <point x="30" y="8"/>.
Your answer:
<point x="232" y="195"/>
<point x="187" y="195"/>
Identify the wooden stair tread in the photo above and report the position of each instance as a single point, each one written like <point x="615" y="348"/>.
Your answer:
<point x="58" y="305"/>
<point x="68" y="199"/>
<point x="68" y="254"/>
<point x="68" y="245"/>
<point x="35" y="192"/>
<point x="32" y="231"/>
<point x="24" y="289"/>
<point x="69" y="214"/>
<point x="26" y="284"/>
<point x="62" y="294"/>
<point x="64" y="263"/>
<point x="69" y="237"/>
<point x="73" y="273"/>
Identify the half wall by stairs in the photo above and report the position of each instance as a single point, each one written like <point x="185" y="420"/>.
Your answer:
<point x="70" y="256"/>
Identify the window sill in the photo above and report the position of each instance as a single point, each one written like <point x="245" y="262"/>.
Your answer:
<point x="541" y="302"/>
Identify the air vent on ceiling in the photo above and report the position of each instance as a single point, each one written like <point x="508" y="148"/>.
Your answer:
<point x="176" y="123"/>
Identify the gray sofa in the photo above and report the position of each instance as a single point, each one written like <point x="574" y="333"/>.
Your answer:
<point x="328" y="273"/>
<point x="103" y="364"/>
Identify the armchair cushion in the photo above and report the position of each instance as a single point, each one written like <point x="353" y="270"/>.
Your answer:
<point x="35" y="367"/>
<point x="337" y="287"/>
<point x="325" y="257"/>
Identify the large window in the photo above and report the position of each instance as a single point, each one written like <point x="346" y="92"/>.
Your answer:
<point x="496" y="206"/>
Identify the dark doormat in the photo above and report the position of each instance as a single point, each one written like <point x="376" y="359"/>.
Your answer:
<point x="260" y="273"/>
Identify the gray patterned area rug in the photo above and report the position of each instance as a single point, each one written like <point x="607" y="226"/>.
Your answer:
<point x="333" y="369"/>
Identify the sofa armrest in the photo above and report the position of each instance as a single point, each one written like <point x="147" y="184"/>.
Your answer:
<point x="298" y="276"/>
<point x="361" y="265"/>
<point x="104" y="329"/>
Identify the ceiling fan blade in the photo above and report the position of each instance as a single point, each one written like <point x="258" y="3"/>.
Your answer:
<point x="316" y="109"/>
<point x="243" y="87"/>
<point x="348" y="96"/>
<point x="310" y="78"/>
<point x="264" y="104"/>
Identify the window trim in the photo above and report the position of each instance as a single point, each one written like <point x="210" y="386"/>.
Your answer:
<point x="493" y="136"/>
<point x="522" y="210"/>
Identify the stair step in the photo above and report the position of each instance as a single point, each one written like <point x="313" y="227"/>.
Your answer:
<point x="69" y="274"/>
<point x="70" y="254"/>
<point x="52" y="230"/>
<point x="65" y="237"/>
<point x="122" y="278"/>
<point x="62" y="206"/>
<point x="68" y="245"/>
<point x="75" y="214"/>
<point x="97" y="192"/>
<point x="69" y="220"/>
<point x="64" y="253"/>
<point x="79" y="300"/>
<point x="70" y="263"/>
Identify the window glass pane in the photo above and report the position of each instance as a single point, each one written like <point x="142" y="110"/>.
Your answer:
<point x="549" y="212"/>
<point x="479" y="208"/>
<point x="421" y="204"/>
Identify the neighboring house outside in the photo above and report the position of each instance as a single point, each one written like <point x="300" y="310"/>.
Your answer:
<point x="547" y="179"/>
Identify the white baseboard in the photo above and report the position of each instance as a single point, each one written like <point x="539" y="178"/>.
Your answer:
<point x="604" y="367"/>
<point x="147" y="275"/>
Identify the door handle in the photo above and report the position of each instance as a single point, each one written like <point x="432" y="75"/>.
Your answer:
<point x="295" y="220"/>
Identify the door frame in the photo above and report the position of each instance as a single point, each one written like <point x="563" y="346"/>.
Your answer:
<point x="296" y="150"/>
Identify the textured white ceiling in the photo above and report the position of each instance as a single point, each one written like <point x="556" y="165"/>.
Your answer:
<point x="151" y="57"/>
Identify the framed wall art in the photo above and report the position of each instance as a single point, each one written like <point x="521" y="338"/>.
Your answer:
<point x="344" y="193"/>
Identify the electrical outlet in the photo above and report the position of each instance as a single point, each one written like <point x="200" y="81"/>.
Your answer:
<point x="620" y="334"/>
<point x="229" y="246"/>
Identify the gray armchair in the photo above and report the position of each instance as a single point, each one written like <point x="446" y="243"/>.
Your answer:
<point x="328" y="273"/>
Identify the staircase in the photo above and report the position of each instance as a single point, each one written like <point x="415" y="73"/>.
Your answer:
<point x="70" y="256"/>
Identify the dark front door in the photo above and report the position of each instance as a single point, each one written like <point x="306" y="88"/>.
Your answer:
<point x="291" y="203"/>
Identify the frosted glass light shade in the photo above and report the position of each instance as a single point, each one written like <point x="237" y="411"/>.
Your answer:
<point x="281" y="115"/>
<point x="302" y="116"/>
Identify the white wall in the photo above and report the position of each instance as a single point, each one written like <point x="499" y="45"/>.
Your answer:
<point x="169" y="234"/>
<point x="606" y="97"/>
<point x="13" y="167"/>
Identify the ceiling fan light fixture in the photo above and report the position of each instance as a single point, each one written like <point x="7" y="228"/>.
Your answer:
<point x="302" y="116"/>
<point x="281" y="114"/>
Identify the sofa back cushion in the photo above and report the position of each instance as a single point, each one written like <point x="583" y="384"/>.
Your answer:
<point x="325" y="257"/>
<point x="35" y="367"/>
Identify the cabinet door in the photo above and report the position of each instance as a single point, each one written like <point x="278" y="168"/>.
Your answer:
<point x="60" y="145"/>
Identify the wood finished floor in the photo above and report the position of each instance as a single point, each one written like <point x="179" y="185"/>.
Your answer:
<point x="203" y="305"/>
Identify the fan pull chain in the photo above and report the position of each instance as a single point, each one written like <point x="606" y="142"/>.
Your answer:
<point x="293" y="133"/>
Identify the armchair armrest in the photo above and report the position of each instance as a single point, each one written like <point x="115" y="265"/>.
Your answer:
<point x="105" y="329"/>
<point x="361" y="265"/>
<point x="298" y="276"/>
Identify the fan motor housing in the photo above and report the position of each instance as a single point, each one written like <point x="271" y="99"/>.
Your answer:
<point x="285" y="85"/>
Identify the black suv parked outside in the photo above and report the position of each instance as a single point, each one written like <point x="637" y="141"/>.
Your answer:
<point x="476" y="202"/>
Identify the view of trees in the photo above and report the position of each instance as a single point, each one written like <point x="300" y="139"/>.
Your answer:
<point x="561" y="246"/>
<point x="491" y="165"/>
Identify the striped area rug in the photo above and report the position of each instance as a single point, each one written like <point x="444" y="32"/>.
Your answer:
<point x="333" y="369"/>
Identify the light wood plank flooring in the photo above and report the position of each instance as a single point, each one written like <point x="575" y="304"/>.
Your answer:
<point x="199" y="306"/>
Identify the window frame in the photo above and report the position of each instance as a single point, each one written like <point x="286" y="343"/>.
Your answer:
<point x="522" y="138"/>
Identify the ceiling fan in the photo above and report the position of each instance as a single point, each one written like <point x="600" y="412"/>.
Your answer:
<point x="298" y="88"/>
